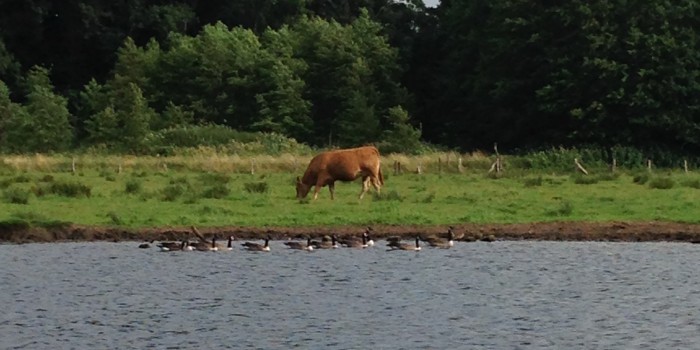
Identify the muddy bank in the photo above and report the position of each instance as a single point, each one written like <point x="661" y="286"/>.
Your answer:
<point x="550" y="231"/>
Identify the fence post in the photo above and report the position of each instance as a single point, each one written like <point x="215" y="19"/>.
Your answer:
<point x="685" y="165"/>
<point x="649" y="165"/>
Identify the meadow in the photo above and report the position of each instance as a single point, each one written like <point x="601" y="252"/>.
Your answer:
<point x="213" y="190"/>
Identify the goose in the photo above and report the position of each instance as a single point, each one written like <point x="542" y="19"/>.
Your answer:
<point x="442" y="243"/>
<point x="325" y="244"/>
<point x="300" y="245"/>
<point x="145" y="245"/>
<point x="407" y="246"/>
<point x="169" y="246"/>
<point x="368" y="240"/>
<point x="229" y="245"/>
<point x="354" y="243"/>
<point x="257" y="247"/>
<point x="172" y="246"/>
<point x="206" y="247"/>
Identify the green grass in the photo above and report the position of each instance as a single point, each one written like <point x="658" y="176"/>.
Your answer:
<point x="134" y="198"/>
<point x="221" y="191"/>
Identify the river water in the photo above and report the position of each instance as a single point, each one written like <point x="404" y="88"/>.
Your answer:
<point x="502" y="295"/>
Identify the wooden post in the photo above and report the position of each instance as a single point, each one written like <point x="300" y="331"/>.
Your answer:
<point x="649" y="164"/>
<point x="252" y="166"/>
<point x="580" y="167"/>
<point x="613" y="166"/>
<point x="73" y="166"/>
<point x="496" y="165"/>
<point x="685" y="165"/>
<point x="460" y="168"/>
<point x="419" y="168"/>
<point x="439" y="165"/>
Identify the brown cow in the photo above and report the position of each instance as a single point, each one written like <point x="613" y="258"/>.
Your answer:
<point x="342" y="165"/>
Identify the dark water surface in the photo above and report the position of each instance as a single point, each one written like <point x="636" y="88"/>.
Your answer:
<point x="503" y="295"/>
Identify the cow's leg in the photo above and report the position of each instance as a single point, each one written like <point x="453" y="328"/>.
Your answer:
<point x="331" y="188"/>
<point x="365" y="185"/>
<point x="316" y="190"/>
<point x="376" y="184"/>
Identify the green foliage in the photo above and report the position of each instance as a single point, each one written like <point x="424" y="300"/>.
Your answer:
<point x="217" y="191"/>
<point x="16" y="195"/>
<point x="133" y="186"/>
<point x="72" y="189"/>
<point x="43" y="125"/>
<point x="392" y="195"/>
<point x="172" y="192"/>
<point x="661" y="183"/>
<point x="584" y="179"/>
<point x="256" y="187"/>
<point x="694" y="183"/>
<point x="640" y="178"/>
<point x="533" y="181"/>
<point x="402" y="137"/>
<point x="564" y="208"/>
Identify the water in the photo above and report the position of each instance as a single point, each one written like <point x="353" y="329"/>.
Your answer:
<point x="503" y="295"/>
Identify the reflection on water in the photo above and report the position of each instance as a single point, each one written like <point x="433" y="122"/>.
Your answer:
<point x="503" y="295"/>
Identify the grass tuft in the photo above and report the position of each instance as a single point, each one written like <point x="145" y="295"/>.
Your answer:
<point x="661" y="183"/>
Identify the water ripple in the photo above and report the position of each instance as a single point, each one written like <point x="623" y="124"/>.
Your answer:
<point x="505" y="295"/>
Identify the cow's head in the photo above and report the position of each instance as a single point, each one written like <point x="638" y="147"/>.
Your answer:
<point x="302" y="189"/>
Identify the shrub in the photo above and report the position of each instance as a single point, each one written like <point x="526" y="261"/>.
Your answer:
<point x="640" y="179"/>
<point x="214" y="178"/>
<point x="692" y="183"/>
<point x="256" y="187"/>
<point x="172" y="192"/>
<point x="661" y="183"/>
<point x="217" y="191"/>
<point x="565" y="208"/>
<point x="533" y="181"/>
<point x="114" y="218"/>
<point x="69" y="189"/>
<point x="133" y="186"/>
<point x="584" y="179"/>
<point x="390" y="196"/>
<point x="16" y="195"/>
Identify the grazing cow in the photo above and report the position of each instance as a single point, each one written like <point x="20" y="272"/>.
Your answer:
<point x="342" y="165"/>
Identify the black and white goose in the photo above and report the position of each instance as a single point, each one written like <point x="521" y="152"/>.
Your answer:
<point x="300" y="245"/>
<point x="257" y="247"/>
<point x="406" y="246"/>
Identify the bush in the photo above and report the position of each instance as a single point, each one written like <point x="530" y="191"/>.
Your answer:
<point x="584" y="179"/>
<point x="69" y="189"/>
<point x="133" y="186"/>
<point x="533" y="181"/>
<point x="16" y="195"/>
<point x="390" y="196"/>
<point x="692" y="183"/>
<point x="172" y="192"/>
<point x="256" y="187"/>
<point x="565" y="208"/>
<point x="217" y="191"/>
<point x="661" y="183"/>
<point x="640" y="179"/>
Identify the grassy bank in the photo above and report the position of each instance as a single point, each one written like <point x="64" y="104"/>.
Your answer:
<point x="209" y="190"/>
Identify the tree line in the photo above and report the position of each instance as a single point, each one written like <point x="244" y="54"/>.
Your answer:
<point x="528" y="75"/>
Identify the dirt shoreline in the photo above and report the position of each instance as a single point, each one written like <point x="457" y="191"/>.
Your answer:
<point x="618" y="231"/>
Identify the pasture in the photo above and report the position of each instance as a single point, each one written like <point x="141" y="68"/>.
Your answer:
<point x="139" y="192"/>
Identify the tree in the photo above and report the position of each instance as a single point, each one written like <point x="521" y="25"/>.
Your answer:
<point x="44" y="124"/>
<point x="401" y="137"/>
<point x="123" y="122"/>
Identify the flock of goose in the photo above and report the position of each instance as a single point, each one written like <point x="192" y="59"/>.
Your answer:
<point x="327" y="242"/>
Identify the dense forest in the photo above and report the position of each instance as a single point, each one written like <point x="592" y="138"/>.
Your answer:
<point x="127" y="75"/>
